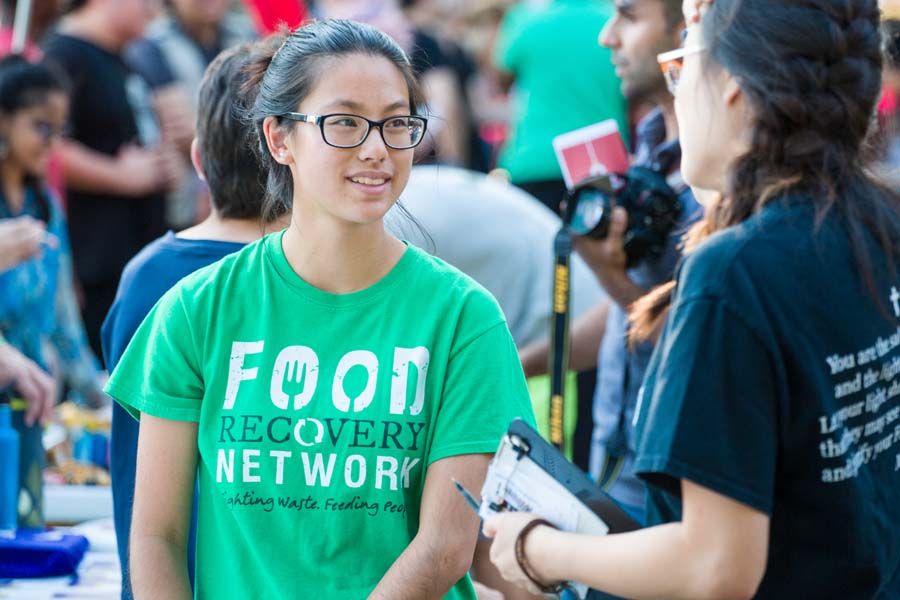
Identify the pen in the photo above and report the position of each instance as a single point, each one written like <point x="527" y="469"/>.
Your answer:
<point x="469" y="498"/>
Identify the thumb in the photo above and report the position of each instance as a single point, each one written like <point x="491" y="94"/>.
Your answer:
<point x="618" y="223"/>
<point x="489" y="528"/>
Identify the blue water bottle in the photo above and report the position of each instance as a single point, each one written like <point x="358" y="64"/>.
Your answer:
<point x="9" y="472"/>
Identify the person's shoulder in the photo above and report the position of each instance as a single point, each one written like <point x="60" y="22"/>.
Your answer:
<point x="151" y="258"/>
<point x="232" y="266"/>
<point x="63" y="50"/>
<point x="750" y="252"/>
<point x="169" y="260"/>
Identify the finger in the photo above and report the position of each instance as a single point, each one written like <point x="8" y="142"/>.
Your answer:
<point x="48" y="389"/>
<point x="618" y="223"/>
<point x="31" y="392"/>
<point x="490" y="526"/>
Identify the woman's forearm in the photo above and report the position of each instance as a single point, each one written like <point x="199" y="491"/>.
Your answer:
<point x="158" y="569"/>
<point x="658" y="562"/>
<point x="426" y="570"/>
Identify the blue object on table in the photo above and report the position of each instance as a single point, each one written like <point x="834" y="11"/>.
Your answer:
<point x="40" y="553"/>
<point x="9" y="471"/>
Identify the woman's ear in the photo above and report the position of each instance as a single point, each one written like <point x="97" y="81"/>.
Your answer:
<point x="195" y="159"/>
<point x="276" y="141"/>
<point x="731" y="91"/>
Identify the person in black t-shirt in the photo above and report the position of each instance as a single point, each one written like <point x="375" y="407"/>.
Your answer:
<point x="768" y="425"/>
<point x="116" y="166"/>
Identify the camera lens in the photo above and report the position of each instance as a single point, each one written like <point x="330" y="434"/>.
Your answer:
<point x="591" y="207"/>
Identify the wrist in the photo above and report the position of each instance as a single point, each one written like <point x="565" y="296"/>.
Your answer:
<point x="539" y="561"/>
<point x="527" y="555"/>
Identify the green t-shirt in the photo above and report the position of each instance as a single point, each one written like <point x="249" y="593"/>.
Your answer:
<point x="776" y="382"/>
<point x="564" y="80"/>
<point x="319" y="414"/>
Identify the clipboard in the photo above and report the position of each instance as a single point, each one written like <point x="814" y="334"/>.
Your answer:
<point x="529" y="474"/>
<point x="552" y="461"/>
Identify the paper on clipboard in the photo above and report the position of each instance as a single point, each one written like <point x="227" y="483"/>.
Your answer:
<point x="523" y="486"/>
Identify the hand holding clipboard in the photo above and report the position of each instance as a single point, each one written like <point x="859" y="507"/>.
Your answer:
<point x="528" y="474"/>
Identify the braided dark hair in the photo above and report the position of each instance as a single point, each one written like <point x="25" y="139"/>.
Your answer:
<point x="812" y="96"/>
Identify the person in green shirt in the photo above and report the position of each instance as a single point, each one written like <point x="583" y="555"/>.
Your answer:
<point x="328" y="382"/>
<point x="768" y="425"/>
<point x="563" y="81"/>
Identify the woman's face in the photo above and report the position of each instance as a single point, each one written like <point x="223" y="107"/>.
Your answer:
<point x="31" y="133"/>
<point x="353" y="185"/>
<point x="711" y="118"/>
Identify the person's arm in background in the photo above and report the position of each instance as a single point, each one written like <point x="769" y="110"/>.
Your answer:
<point x="135" y="171"/>
<point x="171" y="101"/>
<point x="176" y="117"/>
<point x="607" y="259"/>
<point x="717" y="550"/>
<point x="586" y="335"/>
<point x="441" y="552"/>
<point x="163" y="496"/>
<point x="37" y="387"/>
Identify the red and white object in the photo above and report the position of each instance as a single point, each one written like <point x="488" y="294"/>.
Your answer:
<point x="591" y="151"/>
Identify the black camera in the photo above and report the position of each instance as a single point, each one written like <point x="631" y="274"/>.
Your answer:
<point x="652" y="205"/>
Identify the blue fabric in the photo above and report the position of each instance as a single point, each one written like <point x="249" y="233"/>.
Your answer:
<point x="38" y="305"/>
<point x="38" y="553"/>
<point x="620" y="372"/>
<point x="145" y="279"/>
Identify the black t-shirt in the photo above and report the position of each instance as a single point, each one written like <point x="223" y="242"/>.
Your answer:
<point x="110" y="107"/>
<point x="777" y="383"/>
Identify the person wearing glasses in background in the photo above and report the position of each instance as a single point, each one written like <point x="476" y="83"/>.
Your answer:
<point x="329" y="381"/>
<point x="639" y="30"/>
<point x="767" y="426"/>
<point x="39" y="315"/>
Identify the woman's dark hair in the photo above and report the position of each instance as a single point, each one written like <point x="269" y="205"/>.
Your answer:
<point x="812" y="95"/>
<point x="279" y="80"/>
<point x="24" y="84"/>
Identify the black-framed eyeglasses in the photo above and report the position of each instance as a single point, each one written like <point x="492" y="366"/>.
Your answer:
<point x="344" y="130"/>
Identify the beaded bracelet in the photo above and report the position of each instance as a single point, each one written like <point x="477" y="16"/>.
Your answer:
<point x="520" y="558"/>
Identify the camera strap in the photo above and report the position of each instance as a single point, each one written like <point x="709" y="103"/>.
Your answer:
<point x="559" y="334"/>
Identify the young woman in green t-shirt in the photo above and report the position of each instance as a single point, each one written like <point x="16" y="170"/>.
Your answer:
<point x="329" y="381"/>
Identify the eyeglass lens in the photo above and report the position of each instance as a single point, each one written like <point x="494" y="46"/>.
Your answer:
<point x="351" y="130"/>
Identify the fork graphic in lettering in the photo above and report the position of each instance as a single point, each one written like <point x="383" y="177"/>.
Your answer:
<point x="294" y="380"/>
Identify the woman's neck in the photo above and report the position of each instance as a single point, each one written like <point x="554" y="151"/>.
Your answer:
<point x="12" y="181"/>
<point x="340" y="258"/>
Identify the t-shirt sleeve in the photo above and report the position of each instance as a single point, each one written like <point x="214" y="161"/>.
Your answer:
<point x="707" y="413"/>
<point x="510" y="42"/>
<point x="484" y="389"/>
<point x="159" y="374"/>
